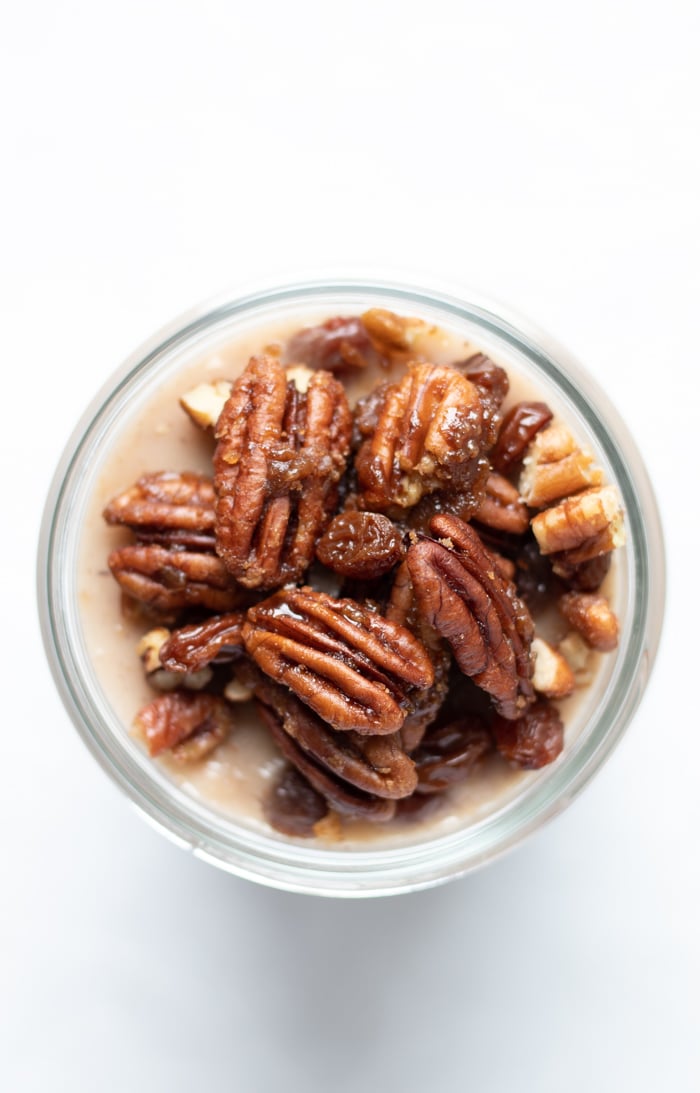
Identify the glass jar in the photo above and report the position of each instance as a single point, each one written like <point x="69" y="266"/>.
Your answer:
<point x="423" y="859"/>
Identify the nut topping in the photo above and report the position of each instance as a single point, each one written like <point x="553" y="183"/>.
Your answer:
<point x="555" y="467"/>
<point x="501" y="507"/>
<point x="189" y="725"/>
<point x="430" y="434"/>
<point x="205" y="402"/>
<point x="591" y="614"/>
<point x="279" y="458"/>
<point x="520" y="426"/>
<point x="194" y="647"/>
<point x="583" y="526"/>
<point x="170" y="580"/>
<point x="353" y="667"/>
<point x="168" y="508"/>
<point x="552" y="676"/>
<point x="460" y="592"/>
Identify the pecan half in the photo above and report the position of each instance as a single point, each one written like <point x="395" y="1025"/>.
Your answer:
<point x="593" y="617"/>
<point x="353" y="667"/>
<point x="461" y="593"/>
<point x="168" y="508"/>
<point x="280" y="455"/>
<point x="502" y="508"/>
<point x="520" y="426"/>
<point x="189" y="725"/>
<point x="448" y="753"/>
<point x="431" y="434"/>
<point x="534" y="740"/>
<point x="333" y="762"/>
<point x="191" y="648"/>
<point x="170" y="580"/>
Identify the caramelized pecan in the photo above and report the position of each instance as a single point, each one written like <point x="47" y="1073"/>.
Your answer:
<point x="431" y="433"/>
<point x="190" y="725"/>
<point x="353" y="667"/>
<point x="361" y="545"/>
<point x="593" y="617"/>
<point x="280" y="455"/>
<point x="502" y="508"/>
<point x="556" y="467"/>
<point x="333" y="762"/>
<point x="192" y="648"/>
<point x="449" y="752"/>
<point x="168" y="508"/>
<point x="461" y="593"/>
<point x="581" y="527"/>
<point x="534" y="740"/>
<point x="520" y="426"/>
<point x="170" y="580"/>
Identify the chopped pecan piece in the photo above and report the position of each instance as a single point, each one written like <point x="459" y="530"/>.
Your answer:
<point x="189" y="725"/>
<point x="354" y="668"/>
<point x="205" y="402"/>
<point x="170" y="580"/>
<point x="534" y="740"/>
<point x="581" y="527"/>
<point x="192" y="648"/>
<point x="593" y="617"/>
<point x="462" y="595"/>
<point x="552" y="676"/>
<point x="431" y="433"/>
<point x="502" y="508"/>
<point x="168" y="508"/>
<point x="293" y="806"/>
<point x="362" y="545"/>
<point x="556" y="467"/>
<point x="149" y="649"/>
<point x="579" y="656"/>
<point x="449" y="752"/>
<point x="520" y="426"/>
<point x="280" y="456"/>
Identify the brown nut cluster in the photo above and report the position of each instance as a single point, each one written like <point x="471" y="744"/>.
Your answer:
<point x="454" y="527"/>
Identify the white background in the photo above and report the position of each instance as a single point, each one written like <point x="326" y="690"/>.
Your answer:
<point x="155" y="153"/>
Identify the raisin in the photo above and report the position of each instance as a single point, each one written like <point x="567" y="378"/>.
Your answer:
<point x="448" y="753"/>
<point x="293" y="806"/>
<point x="587" y="576"/>
<point x="534" y="740"/>
<point x="361" y="545"/>
<point x="339" y="344"/>
<point x="520" y="425"/>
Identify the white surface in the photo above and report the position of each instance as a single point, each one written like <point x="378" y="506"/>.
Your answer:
<point x="155" y="153"/>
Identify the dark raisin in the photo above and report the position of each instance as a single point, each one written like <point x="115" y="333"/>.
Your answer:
<point x="448" y="753"/>
<point x="520" y="425"/>
<point x="339" y="344"/>
<point x="293" y="806"/>
<point x="534" y="740"/>
<point x="587" y="576"/>
<point x="361" y="545"/>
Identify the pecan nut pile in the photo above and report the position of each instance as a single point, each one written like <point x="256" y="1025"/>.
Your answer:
<point x="468" y="536"/>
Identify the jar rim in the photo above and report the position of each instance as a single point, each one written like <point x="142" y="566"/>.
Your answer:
<point x="411" y="866"/>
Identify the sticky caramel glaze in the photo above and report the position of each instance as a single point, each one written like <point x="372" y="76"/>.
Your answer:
<point x="235" y="778"/>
